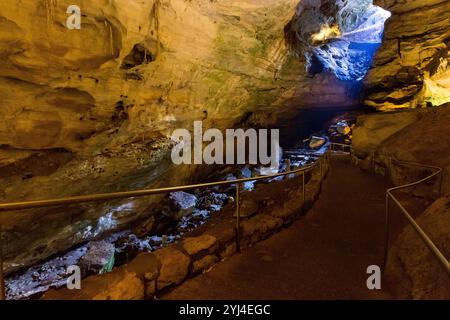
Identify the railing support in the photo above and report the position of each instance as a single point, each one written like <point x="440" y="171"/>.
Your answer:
<point x="390" y="196"/>
<point x="2" y="275"/>
<point x="14" y="206"/>
<point x="238" y="218"/>
<point x="386" y="234"/>
<point x="304" y="187"/>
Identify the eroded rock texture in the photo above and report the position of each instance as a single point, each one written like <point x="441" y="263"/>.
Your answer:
<point x="339" y="36"/>
<point x="411" y="68"/>
<point x="413" y="270"/>
<point x="420" y="136"/>
<point x="92" y="110"/>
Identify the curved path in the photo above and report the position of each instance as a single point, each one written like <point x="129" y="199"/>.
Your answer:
<point x="321" y="256"/>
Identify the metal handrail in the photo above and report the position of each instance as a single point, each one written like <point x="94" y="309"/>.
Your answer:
<point x="22" y="205"/>
<point x="141" y="193"/>
<point x="389" y="195"/>
<point x="425" y="238"/>
<point x="135" y="194"/>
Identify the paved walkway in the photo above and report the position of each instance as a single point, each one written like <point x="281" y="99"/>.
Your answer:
<point x="322" y="256"/>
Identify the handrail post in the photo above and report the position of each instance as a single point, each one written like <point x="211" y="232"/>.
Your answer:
<point x="2" y="275"/>
<point x="386" y="234"/>
<point x="238" y="218"/>
<point x="304" y="187"/>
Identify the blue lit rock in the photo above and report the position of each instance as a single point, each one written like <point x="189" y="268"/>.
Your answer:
<point x="343" y="41"/>
<point x="99" y="258"/>
<point x="183" y="202"/>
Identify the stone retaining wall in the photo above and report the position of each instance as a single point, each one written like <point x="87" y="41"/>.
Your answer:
<point x="154" y="273"/>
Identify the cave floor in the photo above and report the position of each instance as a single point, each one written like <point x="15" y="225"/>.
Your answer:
<point x="324" y="255"/>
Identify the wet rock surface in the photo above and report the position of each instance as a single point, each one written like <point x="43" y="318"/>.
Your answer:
<point x="174" y="267"/>
<point x="413" y="272"/>
<point x="100" y="105"/>
<point x="102" y="119"/>
<point x="183" y="202"/>
<point x="317" y="142"/>
<point x="212" y="201"/>
<point x="194" y="246"/>
<point x="201" y="249"/>
<point x="98" y="259"/>
<point x="40" y="278"/>
<point x="419" y="136"/>
<point x="94" y="257"/>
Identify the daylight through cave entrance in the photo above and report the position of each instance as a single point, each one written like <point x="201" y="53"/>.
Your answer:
<point x="224" y="150"/>
<point x="341" y="38"/>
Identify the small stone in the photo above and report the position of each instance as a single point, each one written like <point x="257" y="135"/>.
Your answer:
<point x="212" y="200"/>
<point x="118" y="285"/>
<point x="194" y="246"/>
<point x="246" y="172"/>
<point x="174" y="267"/>
<point x="317" y="142"/>
<point x="203" y="264"/>
<point x="228" y="252"/>
<point x="183" y="202"/>
<point x="343" y="128"/>
<point x="260" y="226"/>
<point x="146" y="265"/>
<point x="224" y="234"/>
<point x="99" y="258"/>
<point x="268" y="171"/>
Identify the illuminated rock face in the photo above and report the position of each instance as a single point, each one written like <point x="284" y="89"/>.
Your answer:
<point x="92" y="110"/>
<point x="411" y="68"/>
<point x="342" y="40"/>
<point x="419" y="136"/>
<point x="411" y="268"/>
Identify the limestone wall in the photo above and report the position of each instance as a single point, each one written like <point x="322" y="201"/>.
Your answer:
<point x="411" y="69"/>
<point x="92" y="110"/>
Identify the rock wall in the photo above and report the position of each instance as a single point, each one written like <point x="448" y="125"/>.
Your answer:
<point x="411" y="69"/>
<point x="150" y="275"/>
<point x="413" y="271"/>
<point x="419" y="136"/>
<point x="92" y="110"/>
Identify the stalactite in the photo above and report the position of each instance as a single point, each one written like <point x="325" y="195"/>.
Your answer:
<point x="155" y="23"/>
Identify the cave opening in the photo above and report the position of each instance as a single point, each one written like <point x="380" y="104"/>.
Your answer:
<point x="336" y="40"/>
<point x="340" y="37"/>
